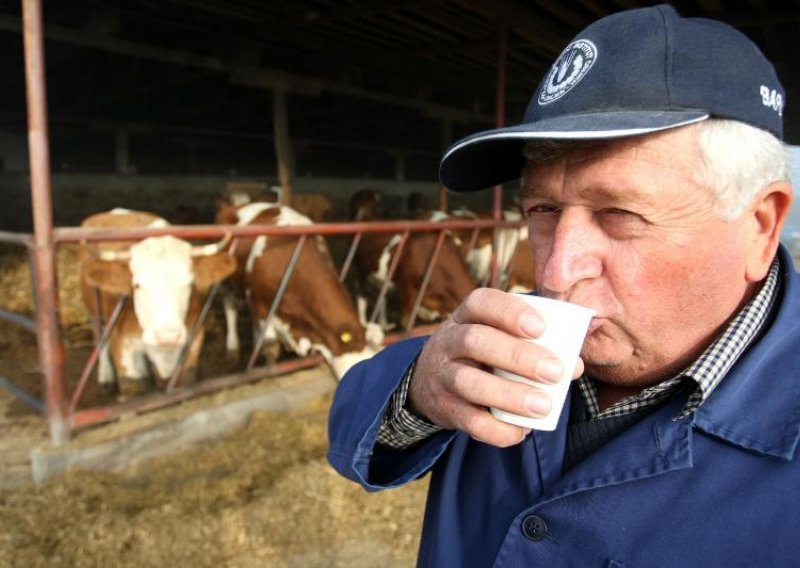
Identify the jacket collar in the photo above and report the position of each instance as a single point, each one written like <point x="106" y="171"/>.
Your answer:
<point x="757" y="405"/>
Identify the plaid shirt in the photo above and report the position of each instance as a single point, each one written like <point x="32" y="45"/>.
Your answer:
<point x="401" y="428"/>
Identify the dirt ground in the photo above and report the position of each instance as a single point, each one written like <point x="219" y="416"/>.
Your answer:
<point x="263" y="496"/>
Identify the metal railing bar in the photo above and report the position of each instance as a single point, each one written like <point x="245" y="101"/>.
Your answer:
<point x="26" y="397"/>
<point x="78" y="234"/>
<point x="434" y="258"/>
<point x="273" y="309"/>
<point x="389" y="277"/>
<point x="25" y="322"/>
<point x="201" y="317"/>
<point x="95" y="354"/>
<point x="100" y="415"/>
<point x="351" y="253"/>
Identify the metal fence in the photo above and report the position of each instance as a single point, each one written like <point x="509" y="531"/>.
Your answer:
<point x="57" y="392"/>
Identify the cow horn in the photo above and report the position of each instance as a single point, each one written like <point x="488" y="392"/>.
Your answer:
<point x="115" y="255"/>
<point x="212" y="249"/>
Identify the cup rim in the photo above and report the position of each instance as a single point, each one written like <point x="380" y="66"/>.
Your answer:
<point x="554" y="301"/>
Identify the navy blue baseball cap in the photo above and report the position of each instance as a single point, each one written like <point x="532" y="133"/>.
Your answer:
<point x="628" y="74"/>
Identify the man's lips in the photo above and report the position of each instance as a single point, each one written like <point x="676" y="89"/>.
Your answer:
<point x="594" y="324"/>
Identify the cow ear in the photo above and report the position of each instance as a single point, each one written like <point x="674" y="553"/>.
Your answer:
<point x="109" y="276"/>
<point x="209" y="270"/>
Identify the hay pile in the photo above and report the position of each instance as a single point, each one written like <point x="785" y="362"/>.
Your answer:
<point x="264" y="496"/>
<point x="16" y="288"/>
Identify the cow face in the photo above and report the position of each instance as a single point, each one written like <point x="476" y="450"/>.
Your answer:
<point x="161" y="278"/>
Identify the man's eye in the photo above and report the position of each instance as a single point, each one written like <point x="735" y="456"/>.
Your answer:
<point x="613" y="213"/>
<point x="542" y="208"/>
<point x="622" y="223"/>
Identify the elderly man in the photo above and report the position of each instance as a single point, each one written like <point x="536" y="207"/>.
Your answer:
<point x="654" y="183"/>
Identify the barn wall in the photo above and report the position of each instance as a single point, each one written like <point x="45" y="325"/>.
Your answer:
<point x="13" y="152"/>
<point x="181" y="199"/>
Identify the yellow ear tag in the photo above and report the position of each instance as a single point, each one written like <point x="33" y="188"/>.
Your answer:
<point x="346" y="337"/>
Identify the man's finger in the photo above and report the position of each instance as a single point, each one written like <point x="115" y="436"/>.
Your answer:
<point x="501" y="310"/>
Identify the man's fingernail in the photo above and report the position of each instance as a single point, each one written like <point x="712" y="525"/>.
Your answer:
<point x="538" y="404"/>
<point x="531" y="324"/>
<point x="550" y="370"/>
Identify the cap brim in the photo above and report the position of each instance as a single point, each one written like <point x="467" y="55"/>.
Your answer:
<point x="495" y="156"/>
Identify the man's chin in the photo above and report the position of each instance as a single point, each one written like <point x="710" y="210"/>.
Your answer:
<point x="608" y="365"/>
<point x="602" y="350"/>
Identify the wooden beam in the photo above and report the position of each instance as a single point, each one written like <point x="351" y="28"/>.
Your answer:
<point x="283" y="147"/>
<point x="523" y="22"/>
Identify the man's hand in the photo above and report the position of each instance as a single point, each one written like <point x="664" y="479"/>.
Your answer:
<point x="453" y="384"/>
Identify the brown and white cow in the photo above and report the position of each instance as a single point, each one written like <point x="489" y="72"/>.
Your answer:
<point x="514" y="255"/>
<point x="167" y="280"/>
<point x="315" y="206"/>
<point x="450" y="281"/>
<point x="316" y="311"/>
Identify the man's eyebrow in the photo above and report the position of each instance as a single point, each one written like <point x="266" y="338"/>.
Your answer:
<point x="529" y="191"/>
<point x="614" y="195"/>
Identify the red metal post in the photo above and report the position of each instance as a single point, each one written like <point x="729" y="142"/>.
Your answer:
<point x="51" y="349"/>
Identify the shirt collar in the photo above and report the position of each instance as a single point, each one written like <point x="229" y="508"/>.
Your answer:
<point x="715" y="362"/>
<point x="757" y="406"/>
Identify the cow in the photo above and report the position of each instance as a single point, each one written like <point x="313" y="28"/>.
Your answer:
<point x="449" y="283"/>
<point x="316" y="311"/>
<point x="366" y="205"/>
<point x="315" y="206"/>
<point x="167" y="281"/>
<point x="417" y="204"/>
<point x="514" y="255"/>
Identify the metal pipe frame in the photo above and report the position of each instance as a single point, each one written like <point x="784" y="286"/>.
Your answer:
<point x="50" y="345"/>
<point x="173" y="394"/>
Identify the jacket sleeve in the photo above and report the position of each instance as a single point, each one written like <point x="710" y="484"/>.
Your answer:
<point x="359" y="407"/>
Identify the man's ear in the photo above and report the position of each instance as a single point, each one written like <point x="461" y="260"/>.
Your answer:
<point x="769" y="214"/>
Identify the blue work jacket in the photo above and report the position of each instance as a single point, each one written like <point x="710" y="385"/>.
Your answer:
<point x="720" y="488"/>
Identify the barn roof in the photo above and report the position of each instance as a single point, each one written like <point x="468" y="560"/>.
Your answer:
<point x="371" y="85"/>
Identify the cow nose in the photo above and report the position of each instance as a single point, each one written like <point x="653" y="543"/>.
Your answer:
<point x="168" y="336"/>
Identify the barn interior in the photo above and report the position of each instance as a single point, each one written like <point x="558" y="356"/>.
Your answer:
<point x="159" y="104"/>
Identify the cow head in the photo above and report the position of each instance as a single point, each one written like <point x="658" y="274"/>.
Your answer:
<point x="160" y="274"/>
<point x="366" y="205"/>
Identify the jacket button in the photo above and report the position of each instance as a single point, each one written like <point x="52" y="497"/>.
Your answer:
<point x="534" y="527"/>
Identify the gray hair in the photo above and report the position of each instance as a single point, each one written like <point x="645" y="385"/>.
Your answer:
<point x="738" y="161"/>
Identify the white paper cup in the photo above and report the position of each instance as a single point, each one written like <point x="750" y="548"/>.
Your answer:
<point x="565" y="326"/>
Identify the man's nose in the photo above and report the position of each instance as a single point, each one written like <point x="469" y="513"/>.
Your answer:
<point x="573" y="255"/>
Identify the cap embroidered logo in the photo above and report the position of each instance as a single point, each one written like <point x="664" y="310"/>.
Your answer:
<point x="570" y="67"/>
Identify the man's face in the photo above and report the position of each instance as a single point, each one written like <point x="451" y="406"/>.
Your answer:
<point x="624" y="228"/>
